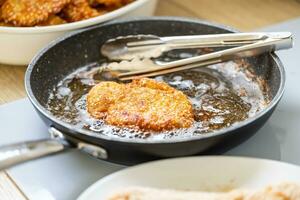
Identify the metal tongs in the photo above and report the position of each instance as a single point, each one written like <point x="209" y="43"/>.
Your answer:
<point x="141" y="50"/>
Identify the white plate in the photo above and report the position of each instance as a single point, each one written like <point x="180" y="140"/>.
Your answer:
<point x="20" y="44"/>
<point x="197" y="173"/>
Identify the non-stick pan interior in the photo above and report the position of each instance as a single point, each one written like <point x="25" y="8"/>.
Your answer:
<point x="68" y="54"/>
<point x="83" y="48"/>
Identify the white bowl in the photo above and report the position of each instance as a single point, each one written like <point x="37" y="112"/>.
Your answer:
<point x="197" y="173"/>
<point x="18" y="45"/>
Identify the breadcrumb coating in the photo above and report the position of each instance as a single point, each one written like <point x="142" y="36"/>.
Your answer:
<point x="30" y="12"/>
<point x="115" y="3"/>
<point x="282" y="191"/>
<point x="53" y="20"/>
<point x="143" y="103"/>
<point x="79" y="10"/>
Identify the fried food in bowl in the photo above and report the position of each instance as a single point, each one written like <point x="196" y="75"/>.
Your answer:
<point x="24" y="13"/>
<point x="28" y="25"/>
<point x="30" y="12"/>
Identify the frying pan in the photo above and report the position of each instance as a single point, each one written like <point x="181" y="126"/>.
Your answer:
<point x="70" y="52"/>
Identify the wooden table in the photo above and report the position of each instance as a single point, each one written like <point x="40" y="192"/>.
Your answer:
<point x="241" y="14"/>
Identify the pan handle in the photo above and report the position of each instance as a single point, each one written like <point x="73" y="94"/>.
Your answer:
<point x="11" y="155"/>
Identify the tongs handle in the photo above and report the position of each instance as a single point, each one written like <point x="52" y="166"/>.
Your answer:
<point x="263" y="46"/>
<point x="210" y="40"/>
<point x="267" y="45"/>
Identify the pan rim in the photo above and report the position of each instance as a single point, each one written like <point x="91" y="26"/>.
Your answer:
<point x="96" y="135"/>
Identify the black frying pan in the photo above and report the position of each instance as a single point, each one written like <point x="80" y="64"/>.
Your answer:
<point x="70" y="52"/>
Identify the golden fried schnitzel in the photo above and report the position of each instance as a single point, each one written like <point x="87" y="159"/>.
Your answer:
<point x="143" y="103"/>
<point x="30" y="12"/>
<point x="53" y="20"/>
<point x="52" y="12"/>
<point x="115" y="3"/>
<point x="79" y="10"/>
